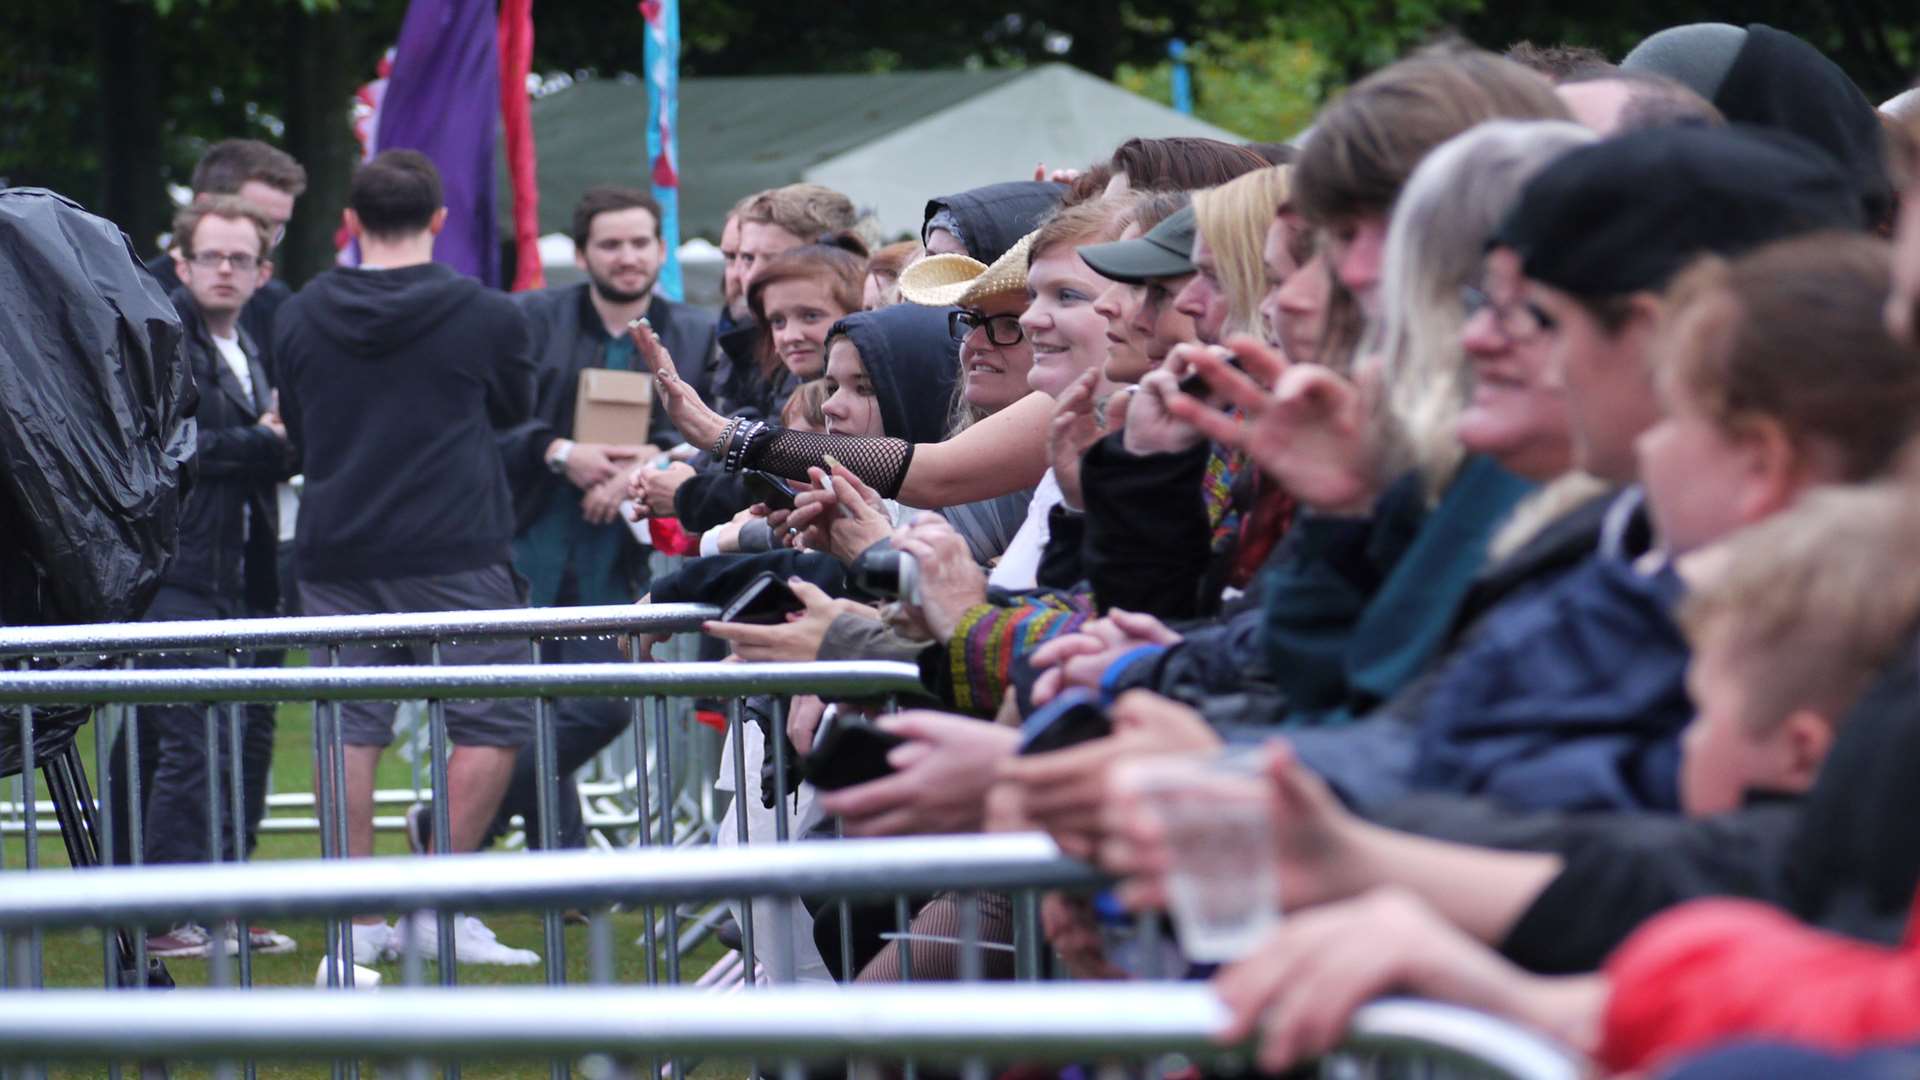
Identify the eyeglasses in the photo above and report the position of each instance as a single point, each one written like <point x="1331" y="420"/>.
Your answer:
<point x="1518" y="322"/>
<point x="1001" y="330"/>
<point x="211" y="260"/>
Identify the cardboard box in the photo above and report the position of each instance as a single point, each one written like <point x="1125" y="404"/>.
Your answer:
<point x="613" y="406"/>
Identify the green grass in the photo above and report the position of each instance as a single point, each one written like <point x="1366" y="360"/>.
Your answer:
<point x="73" y="959"/>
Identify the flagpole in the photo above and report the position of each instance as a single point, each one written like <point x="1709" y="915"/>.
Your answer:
<point x="662" y="61"/>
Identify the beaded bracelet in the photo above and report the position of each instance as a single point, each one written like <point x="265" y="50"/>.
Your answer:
<point x="726" y="434"/>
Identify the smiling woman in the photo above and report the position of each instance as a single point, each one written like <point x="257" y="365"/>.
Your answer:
<point x="1067" y="334"/>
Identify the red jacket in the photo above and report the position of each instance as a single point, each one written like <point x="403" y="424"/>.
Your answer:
<point x="1715" y="970"/>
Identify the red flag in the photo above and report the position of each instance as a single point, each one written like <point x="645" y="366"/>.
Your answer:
<point x="516" y="61"/>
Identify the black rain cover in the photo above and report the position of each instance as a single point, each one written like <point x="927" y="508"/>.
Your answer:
<point x="96" y="428"/>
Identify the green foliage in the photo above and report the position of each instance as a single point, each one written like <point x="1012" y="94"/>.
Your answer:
<point x="1264" y="89"/>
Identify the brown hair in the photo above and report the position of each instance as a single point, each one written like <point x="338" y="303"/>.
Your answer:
<point x="894" y="257"/>
<point x="806" y="404"/>
<point x="808" y="211"/>
<point x="396" y="194"/>
<point x="607" y="199"/>
<point x="1812" y="603"/>
<point x="230" y="163"/>
<point x="1365" y="145"/>
<point x="844" y="274"/>
<point x="1793" y="332"/>
<point x="187" y="221"/>
<point x="1560" y="63"/>
<point x="1152" y="208"/>
<point x="1182" y="163"/>
<point x="1082" y="223"/>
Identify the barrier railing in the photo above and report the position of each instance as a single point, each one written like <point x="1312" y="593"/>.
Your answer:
<point x="232" y="637"/>
<point x="299" y="632"/>
<point x="637" y="683"/>
<point x="1049" y="1023"/>
<point x="1012" y="1023"/>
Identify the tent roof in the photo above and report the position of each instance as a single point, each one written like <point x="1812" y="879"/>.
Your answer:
<point x="741" y="135"/>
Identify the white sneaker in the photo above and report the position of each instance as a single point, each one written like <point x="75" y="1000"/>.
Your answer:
<point x="364" y="978"/>
<point x="473" y="941"/>
<point x="373" y="942"/>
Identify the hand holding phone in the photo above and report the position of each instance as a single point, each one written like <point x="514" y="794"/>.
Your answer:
<point x="766" y="600"/>
<point x="1074" y="717"/>
<point x="847" y="750"/>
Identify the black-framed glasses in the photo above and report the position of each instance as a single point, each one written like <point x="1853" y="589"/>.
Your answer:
<point x="1519" y="322"/>
<point x="1001" y="330"/>
<point x="211" y="260"/>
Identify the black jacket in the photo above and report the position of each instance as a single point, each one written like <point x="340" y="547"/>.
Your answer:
<point x="256" y="318"/>
<point x="394" y="386"/>
<point x="568" y="337"/>
<point x="237" y="461"/>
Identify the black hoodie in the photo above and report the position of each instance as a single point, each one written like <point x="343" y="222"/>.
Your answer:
<point x="994" y="218"/>
<point x="913" y="363"/>
<point x="393" y="384"/>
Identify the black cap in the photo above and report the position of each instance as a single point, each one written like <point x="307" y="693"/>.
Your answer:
<point x="1627" y="213"/>
<point x="1165" y="251"/>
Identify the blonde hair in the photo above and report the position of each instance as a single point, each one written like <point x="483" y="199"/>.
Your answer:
<point x="1813" y="602"/>
<point x="1234" y="218"/>
<point x="1435" y="244"/>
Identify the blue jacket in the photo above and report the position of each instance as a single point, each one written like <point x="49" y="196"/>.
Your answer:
<point x="1571" y="699"/>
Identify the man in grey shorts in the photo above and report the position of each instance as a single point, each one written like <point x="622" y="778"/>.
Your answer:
<point x="396" y="376"/>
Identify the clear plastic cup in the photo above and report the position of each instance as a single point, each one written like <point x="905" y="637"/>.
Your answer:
<point x="1223" y="884"/>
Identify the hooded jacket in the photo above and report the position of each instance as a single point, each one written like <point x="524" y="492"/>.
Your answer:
<point x="994" y="218"/>
<point x="913" y="362"/>
<point x="394" y="385"/>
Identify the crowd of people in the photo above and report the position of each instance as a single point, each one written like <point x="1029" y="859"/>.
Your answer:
<point x="1510" y="480"/>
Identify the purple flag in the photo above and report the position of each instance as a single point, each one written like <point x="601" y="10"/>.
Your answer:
<point x="443" y="99"/>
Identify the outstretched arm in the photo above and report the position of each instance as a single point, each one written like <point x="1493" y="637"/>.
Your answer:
<point x="1003" y="453"/>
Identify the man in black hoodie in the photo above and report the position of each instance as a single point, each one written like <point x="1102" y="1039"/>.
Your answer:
<point x="396" y="378"/>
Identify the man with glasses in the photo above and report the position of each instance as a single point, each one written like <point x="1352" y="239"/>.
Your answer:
<point x="270" y="180"/>
<point x="221" y="262"/>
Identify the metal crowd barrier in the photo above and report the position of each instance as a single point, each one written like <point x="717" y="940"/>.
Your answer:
<point x="544" y="683"/>
<point x="651" y="880"/>
<point x="1031" y="1022"/>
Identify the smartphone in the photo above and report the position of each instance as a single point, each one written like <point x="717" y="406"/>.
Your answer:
<point x="766" y="600"/>
<point x="847" y="750"/>
<point x="1068" y="720"/>
<point x="767" y="488"/>
<point x="1196" y="385"/>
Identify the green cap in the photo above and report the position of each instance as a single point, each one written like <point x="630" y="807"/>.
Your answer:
<point x="1165" y="251"/>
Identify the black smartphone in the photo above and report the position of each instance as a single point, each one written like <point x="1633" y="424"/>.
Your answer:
<point x="1072" y="718"/>
<point x="766" y="600"/>
<point x="767" y="488"/>
<point x="847" y="750"/>
<point x="1196" y="385"/>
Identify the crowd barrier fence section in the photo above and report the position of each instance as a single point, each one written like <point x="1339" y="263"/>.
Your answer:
<point x="792" y="1024"/>
<point x="660" y="798"/>
<point x="672" y="807"/>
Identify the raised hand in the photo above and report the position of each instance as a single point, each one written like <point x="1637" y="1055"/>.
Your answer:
<point x="1312" y="432"/>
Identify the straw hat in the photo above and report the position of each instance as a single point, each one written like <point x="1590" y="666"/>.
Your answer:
<point x="961" y="281"/>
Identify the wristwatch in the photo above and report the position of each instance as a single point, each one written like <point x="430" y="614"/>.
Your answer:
<point x="557" y="461"/>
